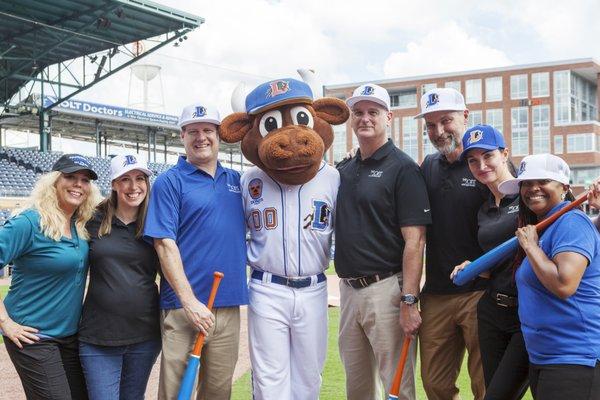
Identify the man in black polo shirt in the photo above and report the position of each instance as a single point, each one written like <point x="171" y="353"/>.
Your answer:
<point x="449" y="312"/>
<point x="382" y="210"/>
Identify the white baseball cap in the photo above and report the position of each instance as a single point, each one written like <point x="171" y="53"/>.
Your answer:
<point x="199" y="112"/>
<point x="122" y="164"/>
<point x="538" y="167"/>
<point x="441" y="99"/>
<point x="370" y="92"/>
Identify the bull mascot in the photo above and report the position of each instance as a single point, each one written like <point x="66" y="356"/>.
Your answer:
<point x="289" y="202"/>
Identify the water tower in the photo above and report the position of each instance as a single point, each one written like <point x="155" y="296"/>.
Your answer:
<point x="152" y="97"/>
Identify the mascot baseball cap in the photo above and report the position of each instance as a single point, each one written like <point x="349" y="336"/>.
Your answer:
<point x="69" y="163"/>
<point x="122" y="164"/>
<point x="277" y="92"/>
<point x="482" y="137"/>
<point x="538" y="167"/>
<point x="199" y="112"/>
<point x="441" y="99"/>
<point x="370" y="92"/>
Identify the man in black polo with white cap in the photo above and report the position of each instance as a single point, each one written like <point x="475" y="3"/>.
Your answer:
<point x="449" y="312"/>
<point x="382" y="211"/>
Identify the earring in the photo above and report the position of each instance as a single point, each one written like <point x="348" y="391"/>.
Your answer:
<point x="562" y="196"/>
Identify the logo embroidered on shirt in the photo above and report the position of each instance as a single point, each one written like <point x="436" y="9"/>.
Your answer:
<point x="375" y="174"/>
<point x="234" y="188"/>
<point x="512" y="209"/>
<point x="468" y="182"/>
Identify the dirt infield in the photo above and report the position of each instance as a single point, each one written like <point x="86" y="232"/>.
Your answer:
<point x="11" y="389"/>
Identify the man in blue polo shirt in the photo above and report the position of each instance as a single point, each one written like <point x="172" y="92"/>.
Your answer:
<point x="196" y="221"/>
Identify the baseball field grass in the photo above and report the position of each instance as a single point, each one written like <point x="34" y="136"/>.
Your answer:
<point x="334" y="379"/>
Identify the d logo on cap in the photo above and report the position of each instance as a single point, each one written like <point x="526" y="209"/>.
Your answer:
<point x="432" y="99"/>
<point x="277" y="88"/>
<point x="368" y="91"/>
<point x="522" y="168"/>
<point x="200" y="112"/>
<point x="129" y="160"/>
<point x="475" y="136"/>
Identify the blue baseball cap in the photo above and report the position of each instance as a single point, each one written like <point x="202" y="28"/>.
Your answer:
<point x="277" y="92"/>
<point x="482" y="137"/>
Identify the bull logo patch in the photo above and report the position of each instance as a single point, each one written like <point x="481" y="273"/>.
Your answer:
<point x="255" y="188"/>
<point x="200" y="112"/>
<point x="277" y="88"/>
<point x="521" y="168"/>
<point x="367" y="91"/>
<point x="432" y="100"/>
<point x="475" y="136"/>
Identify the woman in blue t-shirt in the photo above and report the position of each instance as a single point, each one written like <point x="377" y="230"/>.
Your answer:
<point x="47" y="244"/>
<point x="558" y="279"/>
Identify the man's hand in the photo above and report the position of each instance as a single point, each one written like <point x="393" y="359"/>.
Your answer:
<point x="410" y="320"/>
<point x="198" y="315"/>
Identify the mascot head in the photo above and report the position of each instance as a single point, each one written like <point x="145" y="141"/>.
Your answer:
<point x="283" y="130"/>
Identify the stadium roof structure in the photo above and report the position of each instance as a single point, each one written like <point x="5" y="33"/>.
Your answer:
<point x="67" y="46"/>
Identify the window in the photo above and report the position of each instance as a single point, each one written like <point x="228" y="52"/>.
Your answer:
<point x="518" y="87"/>
<point x="581" y="142"/>
<point x="494" y="118"/>
<point x="454" y="85"/>
<point x="427" y="87"/>
<point x="339" y="142"/>
<point x="519" y="125"/>
<point x="410" y="144"/>
<point x="540" y="84"/>
<point x="475" y="118"/>
<point x="541" y="129"/>
<point x="574" y="98"/>
<point x="473" y="91"/>
<point x="558" y="144"/>
<point x="584" y="176"/>
<point x="428" y="147"/>
<point x="404" y="98"/>
<point x="562" y="97"/>
<point x="493" y="89"/>
<point x="396" y="138"/>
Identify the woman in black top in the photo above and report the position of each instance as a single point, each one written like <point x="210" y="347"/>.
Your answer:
<point x="503" y="354"/>
<point x="119" y="333"/>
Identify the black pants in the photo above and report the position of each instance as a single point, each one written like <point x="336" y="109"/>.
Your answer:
<point x="503" y="354"/>
<point x="49" y="369"/>
<point x="565" y="381"/>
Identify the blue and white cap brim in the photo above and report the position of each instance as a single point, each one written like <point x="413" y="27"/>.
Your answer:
<point x="478" y="146"/>
<point x="511" y="186"/>
<point x="351" y="101"/>
<point x="198" y="119"/>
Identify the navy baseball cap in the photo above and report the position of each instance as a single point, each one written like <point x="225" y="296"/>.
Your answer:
<point x="69" y="163"/>
<point x="482" y="137"/>
<point x="277" y="92"/>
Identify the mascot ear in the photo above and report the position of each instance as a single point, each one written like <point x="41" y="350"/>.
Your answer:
<point x="234" y="127"/>
<point x="332" y="110"/>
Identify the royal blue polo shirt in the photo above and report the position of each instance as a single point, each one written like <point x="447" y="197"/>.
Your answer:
<point x="205" y="217"/>
<point x="560" y="331"/>
<point x="46" y="291"/>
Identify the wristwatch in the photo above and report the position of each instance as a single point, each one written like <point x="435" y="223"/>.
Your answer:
<point x="409" y="299"/>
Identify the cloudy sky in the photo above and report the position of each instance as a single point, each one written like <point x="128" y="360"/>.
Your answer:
<point x="251" y="41"/>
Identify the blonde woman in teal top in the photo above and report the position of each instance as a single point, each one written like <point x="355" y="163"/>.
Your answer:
<point x="47" y="244"/>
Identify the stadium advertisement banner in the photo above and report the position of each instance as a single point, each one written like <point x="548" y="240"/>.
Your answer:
<point x="103" y="111"/>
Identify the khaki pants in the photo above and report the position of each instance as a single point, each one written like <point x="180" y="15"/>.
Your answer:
<point x="217" y="361"/>
<point x="371" y="339"/>
<point x="449" y="326"/>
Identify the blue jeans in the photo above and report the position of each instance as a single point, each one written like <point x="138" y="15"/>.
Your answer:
<point x="118" y="372"/>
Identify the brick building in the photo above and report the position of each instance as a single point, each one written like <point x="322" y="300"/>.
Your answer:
<point x="546" y="107"/>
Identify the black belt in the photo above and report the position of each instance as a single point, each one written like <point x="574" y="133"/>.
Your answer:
<point x="364" y="281"/>
<point x="504" y="300"/>
<point x="296" y="283"/>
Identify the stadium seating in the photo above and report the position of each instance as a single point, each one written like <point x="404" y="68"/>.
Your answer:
<point x="20" y="168"/>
